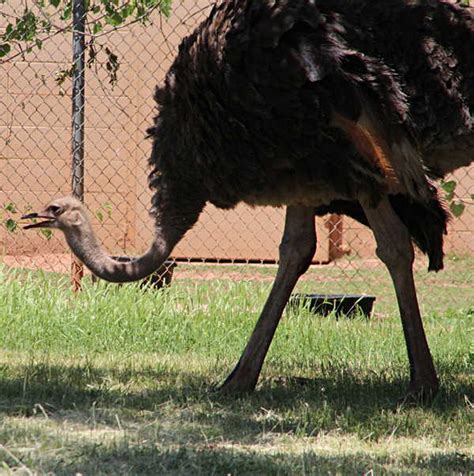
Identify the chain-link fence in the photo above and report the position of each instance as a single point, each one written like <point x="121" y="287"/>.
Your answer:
<point x="36" y="165"/>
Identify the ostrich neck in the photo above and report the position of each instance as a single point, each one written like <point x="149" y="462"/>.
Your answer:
<point x="85" y="246"/>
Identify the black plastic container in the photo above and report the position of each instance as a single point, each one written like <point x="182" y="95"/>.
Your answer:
<point x="347" y="305"/>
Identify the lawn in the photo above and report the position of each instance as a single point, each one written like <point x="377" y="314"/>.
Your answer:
<point x="118" y="380"/>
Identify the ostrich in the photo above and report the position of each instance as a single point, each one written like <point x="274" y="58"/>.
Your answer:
<point x="353" y="107"/>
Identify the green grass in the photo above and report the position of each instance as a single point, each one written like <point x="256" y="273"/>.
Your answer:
<point x="117" y="380"/>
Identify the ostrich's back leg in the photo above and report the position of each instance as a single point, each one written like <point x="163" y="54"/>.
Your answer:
<point x="296" y="252"/>
<point x="395" y="249"/>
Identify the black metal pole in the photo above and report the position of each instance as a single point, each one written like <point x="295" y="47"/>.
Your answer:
<point x="78" y="116"/>
<point x="78" y="98"/>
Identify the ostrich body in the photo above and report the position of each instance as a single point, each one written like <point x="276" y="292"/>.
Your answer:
<point x="321" y="106"/>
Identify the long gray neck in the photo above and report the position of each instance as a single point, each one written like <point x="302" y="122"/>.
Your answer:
<point x="85" y="246"/>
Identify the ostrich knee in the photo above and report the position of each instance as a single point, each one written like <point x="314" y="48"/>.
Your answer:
<point x="395" y="249"/>
<point x="297" y="250"/>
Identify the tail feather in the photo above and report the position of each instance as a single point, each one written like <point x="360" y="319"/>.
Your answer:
<point x="426" y="222"/>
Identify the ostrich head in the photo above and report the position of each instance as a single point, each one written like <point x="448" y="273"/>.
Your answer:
<point x="70" y="216"/>
<point x="66" y="213"/>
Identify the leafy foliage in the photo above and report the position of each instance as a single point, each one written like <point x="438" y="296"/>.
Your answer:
<point x="7" y="213"/>
<point x="47" y="18"/>
<point x="105" y="210"/>
<point x="9" y="219"/>
<point x="456" y="204"/>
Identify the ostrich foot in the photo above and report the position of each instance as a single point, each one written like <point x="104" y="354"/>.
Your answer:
<point x="420" y="393"/>
<point x="240" y="381"/>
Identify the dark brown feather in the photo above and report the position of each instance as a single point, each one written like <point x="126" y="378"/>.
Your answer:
<point x="249" y="108"/>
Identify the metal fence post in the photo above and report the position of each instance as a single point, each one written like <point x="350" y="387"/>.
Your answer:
<point x="78" y="116"/>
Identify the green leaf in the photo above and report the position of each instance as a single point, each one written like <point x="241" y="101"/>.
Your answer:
<point x="108" y="208"/>
<point x="105" y="207"/>
<point x="165" y="7"/>
<point x="48" y="234"/>
<point x="449" y="187"/>
<point x="46" y="26"/>
<point x="127" y="10"/>
<point x="11" y="225"/>
<point x="67" y="12"/>
<point x="112" y="65"/>
<point x="10" y="207"/>
<point x="97" y="28"/>
<point x="26" y="26"/>
<point x="9" y="30"/>
<point x="55" y="3"/>
<point x="4" y="49"/>
<point x="100" y="216"/>
<point x="457" y="208"/>
<point x="114" y="19"/>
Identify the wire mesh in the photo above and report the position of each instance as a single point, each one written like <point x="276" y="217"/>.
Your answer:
<point x="35" y="157"/>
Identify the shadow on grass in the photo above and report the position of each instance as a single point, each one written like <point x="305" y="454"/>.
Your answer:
<point x="181" y="429"/>
<point x="125" y="458"/>
<point x="75" y="387"/>
<point x="344" y="401"/>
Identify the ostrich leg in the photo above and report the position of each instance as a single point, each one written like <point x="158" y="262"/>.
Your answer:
<point x="296" y="252"/>
<point x="395" y="249"/>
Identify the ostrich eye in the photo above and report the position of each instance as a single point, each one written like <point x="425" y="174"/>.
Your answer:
<point x="55" y="210"/>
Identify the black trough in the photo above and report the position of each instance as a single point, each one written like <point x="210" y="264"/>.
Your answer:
<point x="347" y="305"/>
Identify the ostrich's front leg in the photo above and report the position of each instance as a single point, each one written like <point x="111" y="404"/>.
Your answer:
<point x="395" y="249"/>
<point x="296" y="252"/>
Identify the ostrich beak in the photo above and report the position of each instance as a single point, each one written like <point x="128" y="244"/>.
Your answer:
<point x="48" y="223"/>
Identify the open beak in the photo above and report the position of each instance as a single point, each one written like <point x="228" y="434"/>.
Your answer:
<point x="48" y="222"/>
